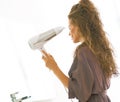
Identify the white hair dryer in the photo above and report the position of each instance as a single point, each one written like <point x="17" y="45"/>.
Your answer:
<point x="37" y="42"/>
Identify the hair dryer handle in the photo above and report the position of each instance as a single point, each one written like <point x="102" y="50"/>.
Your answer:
<point x="42" y="48"/>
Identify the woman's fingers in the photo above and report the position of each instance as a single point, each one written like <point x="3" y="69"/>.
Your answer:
<point x="46" y="57"/>
<point x="49" y="60"/>
<point x="44" y="53"/>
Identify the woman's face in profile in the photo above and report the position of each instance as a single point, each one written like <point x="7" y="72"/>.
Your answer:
<point x="74" y="32"/>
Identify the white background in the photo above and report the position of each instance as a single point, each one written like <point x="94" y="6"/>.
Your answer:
<point x="22" y="69"/>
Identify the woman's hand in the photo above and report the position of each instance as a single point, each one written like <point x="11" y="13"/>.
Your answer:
<point x="51" y="64"/>
<point x="49" y="61"/>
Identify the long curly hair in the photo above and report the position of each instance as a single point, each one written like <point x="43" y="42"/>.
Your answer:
<point x="86" y="17"/>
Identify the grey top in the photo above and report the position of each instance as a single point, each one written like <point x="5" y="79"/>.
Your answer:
<point x="87" y="82"/>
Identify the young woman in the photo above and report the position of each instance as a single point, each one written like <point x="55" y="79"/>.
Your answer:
<point x="93" y="64"/>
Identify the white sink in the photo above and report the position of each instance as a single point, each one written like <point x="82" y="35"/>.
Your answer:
<point x="49" y="100"/>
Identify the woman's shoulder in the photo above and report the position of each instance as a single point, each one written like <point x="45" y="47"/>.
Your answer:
<point x="83" y="48"/>
<point x="85" y="51"/>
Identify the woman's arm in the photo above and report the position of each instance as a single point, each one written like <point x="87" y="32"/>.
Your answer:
<point x="61" y="76"/>
<point x="52" y="65"/>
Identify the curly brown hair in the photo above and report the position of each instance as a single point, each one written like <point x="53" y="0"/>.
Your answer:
<point x="86" y="17"/>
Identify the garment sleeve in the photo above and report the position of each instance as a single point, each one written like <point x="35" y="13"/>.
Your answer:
<point x="81" y="80"/>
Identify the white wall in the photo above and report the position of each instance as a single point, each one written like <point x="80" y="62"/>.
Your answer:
<point x="22" y="69"/>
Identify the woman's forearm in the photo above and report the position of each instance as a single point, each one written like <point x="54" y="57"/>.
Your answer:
<point x="61" y="76"/>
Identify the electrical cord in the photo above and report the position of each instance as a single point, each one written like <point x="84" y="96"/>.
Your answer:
<point x="67" y="93"/>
